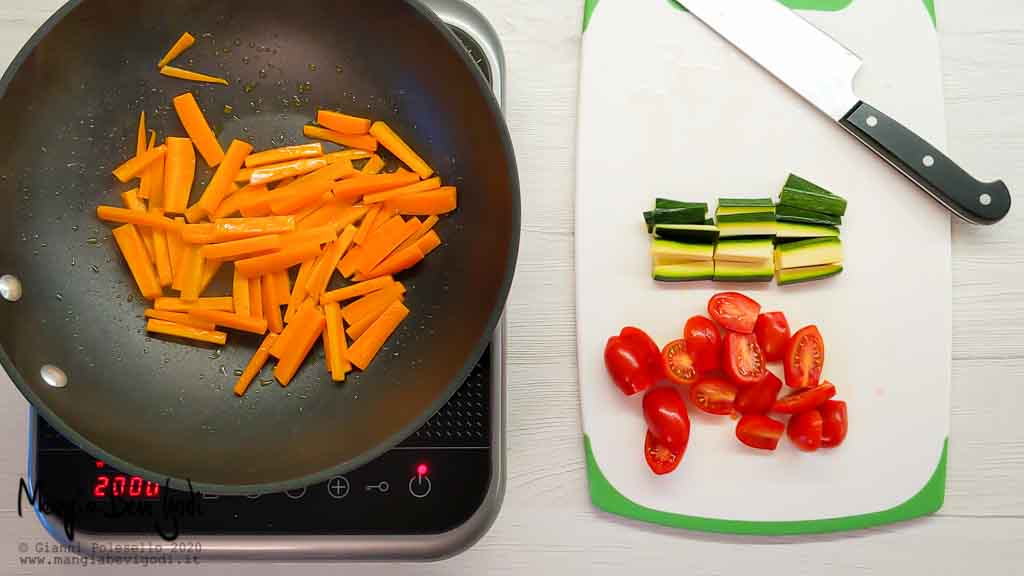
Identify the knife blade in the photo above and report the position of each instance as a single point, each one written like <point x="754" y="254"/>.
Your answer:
<point x="822" y="71"/>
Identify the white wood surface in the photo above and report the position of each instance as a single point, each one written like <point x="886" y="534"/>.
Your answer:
<point x="547" y="525"/>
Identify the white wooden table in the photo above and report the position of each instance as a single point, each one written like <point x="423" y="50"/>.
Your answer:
<point x="547" y="524"/>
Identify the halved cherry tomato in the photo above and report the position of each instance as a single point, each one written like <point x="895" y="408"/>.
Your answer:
<point x="805" y="430"/>
<point x="805" y="358"/>
<point x="744" y="362"/>
<point x="804" y="400"/>
<point x="633" y="360"/>
<point x="667" y="419"/>
<point x="703" y="342"/>
<point x="734" y="311"/>
<point x="660" y="458"/>
<point x="772" y="332"/>
<point x="834" y="423"/>
<point x="759" y="398"/>
<point x="680" y="365"/>
<point x="759" y="431"/>
<point x="714" y="396"/>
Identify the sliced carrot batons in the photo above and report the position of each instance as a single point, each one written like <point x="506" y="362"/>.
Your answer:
<point x="387" y="137"/>
<point x="198" y="129"/>
<point x="182" y="331"/>
<point x="369" y="344"/>
<point x="255" y="364"/>
<point x="134" y="251"/>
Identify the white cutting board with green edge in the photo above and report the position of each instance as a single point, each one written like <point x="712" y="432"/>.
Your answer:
<point x="667" y="108"/>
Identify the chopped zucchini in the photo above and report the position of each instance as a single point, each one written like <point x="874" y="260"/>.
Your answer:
<point x="685" y="272"/>
<point x="807" y="273"/>
<point x="750" y="217"/>
<point x="792" y="214"/>
<point x="797" y="183"/>
<point x="745" y="202"/>
<point x="812" y="252"/>
<point x="729" y="210"/>
<point x="757" y="250"/>
<point x="784" y="230"/>
<point x="695" y="233"/>
<point x="666" y="204"/>
<point x="733" y="229"/>
<point x="744" y="271"/>
<point x="813" y="201"/>
<point x="709" y="222"/>
<point x="670" y="252"/>
<point x="692" y="215"/>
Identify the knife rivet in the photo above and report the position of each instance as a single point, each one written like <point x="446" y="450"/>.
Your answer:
<point x="928" y="161"/>
<point x="872" y="121"/>
<point x="985" y="199"/>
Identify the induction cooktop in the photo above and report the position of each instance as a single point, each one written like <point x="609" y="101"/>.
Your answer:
<point x="431" y="496"/>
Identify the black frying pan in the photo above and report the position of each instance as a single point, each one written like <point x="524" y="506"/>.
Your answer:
<point x="69" y="106"/>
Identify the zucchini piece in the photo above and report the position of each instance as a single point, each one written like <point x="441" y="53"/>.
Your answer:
<point x="709" y="221"/>
<point x="812" y="252"/>
<point x="792" y="214"/>
<point x="693" y="215"/>
<point x="733" y="229"/>
<point x="785" y="230"/>
<point x="694" y="233"/>
<point x="744" y="271"/>
<point x="813" y="201"/>
<point x="745" y="203"/>
<point x="729" y="210"/>
<point x="685" y="272"/>
<point x="797" y="183"/>
<point x="666" y="204"/>
<point x="807" y="273"/>
<point x="756" y="250"/>
<point x="754" y="217"/>
<point x="670" y="252"/>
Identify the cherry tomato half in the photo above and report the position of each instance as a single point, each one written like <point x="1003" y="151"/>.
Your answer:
<point x="772" y="332"/>
<point x="714" y="396"/>
<point x="667" y="419"/>
<point x="805" y="358"/>
<point x="680" y="365"/>
<point x="804" y="430"/>
<point x="734" y="311"/>
<point x="759" y="398"/>
<point x="660" y="458"/>
<point x="834" y="423"/>
<point x="743" y="360"/>
<point x="804" y="400"/>
<point x="633" y="360"/>
<point x="759" y="431"/>
<point x="703" y="342"/>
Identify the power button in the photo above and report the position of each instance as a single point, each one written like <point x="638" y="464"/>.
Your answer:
<point x="419" y="486"/>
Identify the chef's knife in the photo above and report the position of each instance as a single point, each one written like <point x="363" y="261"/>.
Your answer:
<point x="822" y="71"/>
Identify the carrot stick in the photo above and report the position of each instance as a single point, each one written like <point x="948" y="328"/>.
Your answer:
<point x="399" y="261"/>
<point x="179" y="318"/>
<point x="367" y="224"/>
<point x="399" y="148"/>
<point x="164" y="271"/>
<point x="222" y="303"/>
<point x="198" y="129"/>
<point x="227" y="229"/>
<point x="424" y="227"/>
<point x="179" y="171"/>
<point x="140" y="138"/>
<point x="303" y="315"/>
<point x="134" y="166"/>
<point x="299" y="195"/>
<point x="280" y="260"/>
<point x="359" y="327"/>
<point x="126" y="216"/>
<point x="369" y="344"/>
<point x="335" y="343"/>
<point x="342" y="123"/>
<point x="349" y="154"/>
<point x="276" y="172"/>
<point x="365" y="305"/>
<point x="231" y="320"/>
<point x="439" y="201"/>
<point x="385" y="215"/>
<point x="182" y="331"/>
<point x="255" y="364"/>
<point x="220" y="184"/>
<point x="179" y="46"/>
<point x="429" y="241"/>
<point x="255" y="297"/>
<point x="131" y="201"/>
<point x="240" y="294"/>
<point x="353" y="188"/>
<point x="237" y="249"/>
<point x="192" y="275"/>
<point x="257" y="201"/>
<point x="362" y="141"/>
<point x="321" y="275"/>
<point x="271" y="308"/>
<point x="284" y="154"/>
<point x="338" y="214"/>
<point x="154" y="175"/>
<point x="175" y="246"/>
<point x="298" y="292"/>
<point x="210" y="269"/>
<point x="373" y="166"/>
<point x="324" y="199"/>
<point x="383" y="242"/>
<point x="306" y="334"/>
<point x="422" y="186"/>
<point x="282" y="287"/>
<point x="182" y="74"/>
<point x="336" y="170"/>
<point x="184" y="263"/>
<point x="234" y="202"/>
<point x="152" y="181"/>
<point x="347" y="266"/>
<point x="356" y="290"/>
<point x="141" y="267"/>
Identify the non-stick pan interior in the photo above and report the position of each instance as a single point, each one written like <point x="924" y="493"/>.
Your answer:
<point x="165" y="409"/>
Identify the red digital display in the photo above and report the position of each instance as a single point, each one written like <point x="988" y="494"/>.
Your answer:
<point x="118" y="485"/>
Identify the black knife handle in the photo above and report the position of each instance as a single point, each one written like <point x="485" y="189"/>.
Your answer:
<point x="974" y="201"/>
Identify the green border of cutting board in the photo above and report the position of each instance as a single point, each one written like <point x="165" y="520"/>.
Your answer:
<point x="824" y="5"/>
<point x="927" y="501"/>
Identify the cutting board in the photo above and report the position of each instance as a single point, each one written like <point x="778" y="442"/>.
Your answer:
<point x="667" y="108"/>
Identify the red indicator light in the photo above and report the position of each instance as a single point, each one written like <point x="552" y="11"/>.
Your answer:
<point x="99" y="464"/>
<point x="421" y="470"/>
